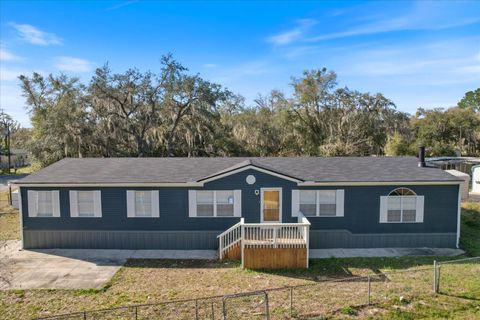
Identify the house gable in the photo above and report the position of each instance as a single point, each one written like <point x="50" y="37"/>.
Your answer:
<point x="248" y="166"/>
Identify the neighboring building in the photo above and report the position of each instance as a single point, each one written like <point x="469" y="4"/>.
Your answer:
<point x="465" y="185"/>
<point x="476" y="179"/>
<point x="18" y="158"/>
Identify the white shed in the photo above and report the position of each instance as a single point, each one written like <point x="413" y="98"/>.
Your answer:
<point x="465" y="185"/>
<point x="476" y="179"/>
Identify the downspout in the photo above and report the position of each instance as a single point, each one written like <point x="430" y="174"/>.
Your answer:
<point x="459" y="213"/>
<point x="20" y="214"/>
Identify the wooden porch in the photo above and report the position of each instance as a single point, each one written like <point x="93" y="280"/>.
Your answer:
<point x="267" y="245"/>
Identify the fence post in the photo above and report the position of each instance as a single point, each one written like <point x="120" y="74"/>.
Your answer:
<point x="10" y="201"/>
<point x="267" y="310"/>
<point x="196" y="309"/>
<point x="434" y="276"/>
<point x="213" y="312"/>
<point x="291" y="302"/>
<point x="136" y="312"/>
<point x="369" y="290"/>
<point x="85" y="315"/>
<point x="438" y="278"/>
<point x="224" y="309"/>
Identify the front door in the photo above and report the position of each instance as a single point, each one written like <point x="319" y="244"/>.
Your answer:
<point x="271" y="203"/>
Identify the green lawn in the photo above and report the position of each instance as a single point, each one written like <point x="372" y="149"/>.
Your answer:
<point x="18" y="171"/>
<point x="404" y="295"/>
<point x="9" y="224"/>
<point x="470" y="229"/>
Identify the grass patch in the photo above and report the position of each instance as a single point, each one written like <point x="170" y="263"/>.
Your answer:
<point x="150" y="281"/>
<point x="9" y="219"/>
<point x="470" y="229"/>
<point x="19" y="171"/>
<point x="351" y="311"/>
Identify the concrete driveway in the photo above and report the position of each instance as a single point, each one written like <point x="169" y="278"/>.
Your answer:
<point x="73" y="268"/>
<point x="26" y="269"/>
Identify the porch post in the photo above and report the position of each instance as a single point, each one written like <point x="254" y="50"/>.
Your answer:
<point x="242" y="242"/>
<point x="307" y="241"/>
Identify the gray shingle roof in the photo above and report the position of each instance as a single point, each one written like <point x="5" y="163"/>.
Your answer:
<point x="178" y="170"/>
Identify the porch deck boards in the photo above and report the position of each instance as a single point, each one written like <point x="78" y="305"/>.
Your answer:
<point x="275" y="258"/>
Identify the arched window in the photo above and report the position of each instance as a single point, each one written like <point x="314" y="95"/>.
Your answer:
<point x="402" y="205"/>
<point x="402" y="192"/>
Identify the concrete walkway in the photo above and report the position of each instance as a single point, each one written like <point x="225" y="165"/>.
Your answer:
<point x="73" y="268"/>
<point x="382" y="252"/>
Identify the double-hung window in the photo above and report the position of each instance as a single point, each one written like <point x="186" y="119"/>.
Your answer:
<point x="402" y="205"/>
<point x="225" y="203"/>
<point x="214" y="203"/>
<point x="308" y="202"/>
<point x="85" y="203"/>
<point x="318" y="203"/>
<point x="43" y="203"/>
<point x="205" y="203"/>
<point x="143" y="204"/>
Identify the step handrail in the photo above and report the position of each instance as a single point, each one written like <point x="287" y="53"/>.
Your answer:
<point x="242" y="221"/>
<point x="229" y="237"/>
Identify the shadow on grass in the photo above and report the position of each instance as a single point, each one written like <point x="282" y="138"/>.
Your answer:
<point x="181" y="263"/>
<point x="461" y="296"/>
<point x="332" y="268"/>
<point x="319" y="270"/>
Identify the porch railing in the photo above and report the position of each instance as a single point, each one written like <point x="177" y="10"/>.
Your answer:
<point x="229" y="238"/>
<point x="266" y="235"/>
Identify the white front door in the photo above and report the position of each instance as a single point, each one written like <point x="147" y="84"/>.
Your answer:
<point x="271" y="205"/>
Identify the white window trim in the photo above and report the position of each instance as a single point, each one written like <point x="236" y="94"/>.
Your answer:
<point x="192" y="204"/>
<point x="339" y="203"/>
<point x="419" y="209"/>
<point x="32" y="199"/>
<point x="280" y="204"/>
<point x="97" y="204"/>
<point x="155" y="203"/>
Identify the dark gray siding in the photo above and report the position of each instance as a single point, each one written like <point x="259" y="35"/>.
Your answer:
<point x="92" y="239"/>
<point x="360" y="226"/>
<point x="322" y="239"/>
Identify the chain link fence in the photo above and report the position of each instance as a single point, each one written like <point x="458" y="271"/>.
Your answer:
<point x="447" y="281"/>
<point x="460" y="278"/>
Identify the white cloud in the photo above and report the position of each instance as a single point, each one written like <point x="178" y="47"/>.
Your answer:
<point x="34" y="35"/>
<point x="10" y="74"/>
<point x="423" y="16"/>
<point x="121" y="5"/>
<point x="293" y="34"/>
<point x="73" y="64"/>
<point x="6" y="55"/>
<point x="409" y="64"/>
<point x="13" y="103"/>
<point x="471" y="69"/>
<point x="209" y="65"/>
<point x="247" y="69"/>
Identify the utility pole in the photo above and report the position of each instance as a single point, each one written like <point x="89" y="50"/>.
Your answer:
<point x="8" y="147"/>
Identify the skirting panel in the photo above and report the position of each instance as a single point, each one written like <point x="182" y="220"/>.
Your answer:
<point x="207" y="240"/>
<point x="325" y="239"/>
<point x="75" y="239"/>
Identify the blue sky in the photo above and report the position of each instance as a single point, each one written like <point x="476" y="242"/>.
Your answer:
<point x="419" y="54"/>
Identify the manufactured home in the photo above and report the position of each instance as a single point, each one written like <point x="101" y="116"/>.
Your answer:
<point x="287" y="205"/>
